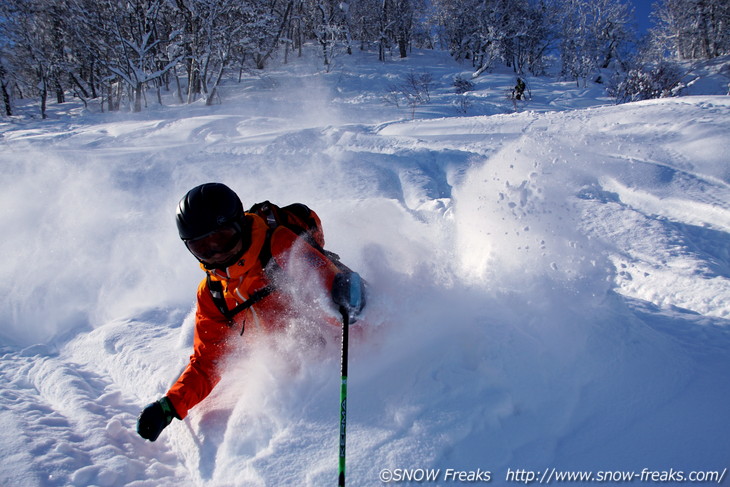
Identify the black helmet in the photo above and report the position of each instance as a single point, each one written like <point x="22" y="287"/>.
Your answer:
<point x="206" y="208"/>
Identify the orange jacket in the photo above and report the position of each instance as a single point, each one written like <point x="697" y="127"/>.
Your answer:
<point x="215" y="335"/>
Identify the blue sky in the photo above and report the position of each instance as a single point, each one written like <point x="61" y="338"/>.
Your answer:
<point x="642" y="9"/>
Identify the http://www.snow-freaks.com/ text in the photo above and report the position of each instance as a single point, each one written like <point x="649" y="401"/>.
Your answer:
<point x="548" y="476"/>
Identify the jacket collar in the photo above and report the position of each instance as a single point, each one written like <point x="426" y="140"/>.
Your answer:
<point x="250" y="259"/>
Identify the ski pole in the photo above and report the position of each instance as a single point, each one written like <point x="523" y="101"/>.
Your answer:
<point x="343" y="395"/>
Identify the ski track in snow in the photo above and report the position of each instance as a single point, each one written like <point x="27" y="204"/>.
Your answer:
<point x="550" y="288"/>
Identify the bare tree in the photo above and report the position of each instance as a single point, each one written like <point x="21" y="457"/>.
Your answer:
<point x="4" y="88"/>
<point x="593" y="36"/>
<point x="516" y="33"/>
<point x="32" y="27"/>
<point x="138" y="44"/>
<point x="413" y="91"/>
<point x="326" y="22"/>
<point x="692" y="29"/>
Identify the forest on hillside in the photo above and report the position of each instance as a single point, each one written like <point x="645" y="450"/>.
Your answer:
<point x="120" y="52"/>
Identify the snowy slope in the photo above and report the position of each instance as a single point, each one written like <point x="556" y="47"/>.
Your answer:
<point x="550" y="287"/>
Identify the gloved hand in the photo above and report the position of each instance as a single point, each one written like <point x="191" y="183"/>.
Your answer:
<point x="154" y="418"/>
<point x="348" y="293"/>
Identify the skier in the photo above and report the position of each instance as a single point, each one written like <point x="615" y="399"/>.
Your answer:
<point x="246" y="258"/>
<point x="519" y="90"/>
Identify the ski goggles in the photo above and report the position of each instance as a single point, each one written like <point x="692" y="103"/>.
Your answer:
<point x="219" y="244"/>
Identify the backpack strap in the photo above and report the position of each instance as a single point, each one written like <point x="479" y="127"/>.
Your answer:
<point x="253" y="299"/>
<point x="265" y="252"/>
<point x="268" y="212"/>
<point x="216" y="292"/>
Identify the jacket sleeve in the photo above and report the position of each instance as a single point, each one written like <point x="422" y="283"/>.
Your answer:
<point x="209" y="347"/>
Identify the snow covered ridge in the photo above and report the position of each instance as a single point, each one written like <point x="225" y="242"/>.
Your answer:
<point x="550" y="287"/>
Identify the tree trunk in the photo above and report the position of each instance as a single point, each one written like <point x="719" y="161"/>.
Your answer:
<point x="325" y="52"/>
<point x="60" y="95"/>
<point x="193" y="81"/>
<point x="138" y="97"/>
<point x="78" y="84"/>
<point x="179" y="88"/>
<point x="44" y="94"/>
<point x="6" y="99"/>
<point x="214" y="89"/>
<point x="402" y="46"/>
<point x="92" y="81"/>
<point x="110" y="97"/>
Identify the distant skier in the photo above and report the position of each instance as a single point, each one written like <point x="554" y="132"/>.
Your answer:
<point x="519" y="90"/>
<point x="246" y="257"/>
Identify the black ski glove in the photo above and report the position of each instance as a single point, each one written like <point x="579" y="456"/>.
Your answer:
<point x="154" y="418"/>
<point x="348" y="292"/>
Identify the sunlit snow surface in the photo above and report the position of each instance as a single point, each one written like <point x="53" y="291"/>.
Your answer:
<point x="549" y="287"/>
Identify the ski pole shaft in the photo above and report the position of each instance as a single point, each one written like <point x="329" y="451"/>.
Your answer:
<point x="343" y="396"/>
